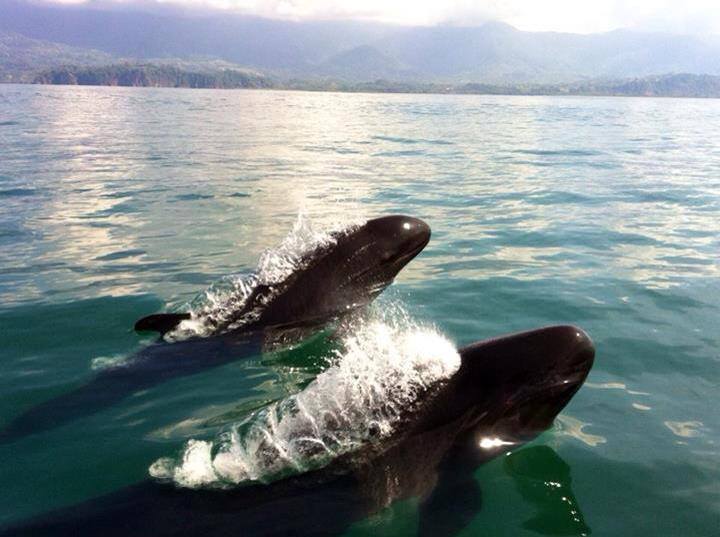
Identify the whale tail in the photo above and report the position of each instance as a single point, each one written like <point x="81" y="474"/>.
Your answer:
<point x="160" y="322"/>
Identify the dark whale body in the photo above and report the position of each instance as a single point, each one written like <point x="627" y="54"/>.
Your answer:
<point x="509" y="388"/>
<point x="331" y="281"/>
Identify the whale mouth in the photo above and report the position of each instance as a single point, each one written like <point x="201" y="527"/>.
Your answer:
<point x="515" y="385"/>
<point x="533" y="407"/>
<point x="420" y="245"/>
<point x="384" y="271"/>
<point x="415" y="244"/>
<point x="403" y="258"/>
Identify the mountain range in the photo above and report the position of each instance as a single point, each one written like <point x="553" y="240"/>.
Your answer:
<point x="35" y="36"/>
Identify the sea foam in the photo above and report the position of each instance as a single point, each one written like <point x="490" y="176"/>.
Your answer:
<point x="218" y="303"/>
<point x="378" y="375"/>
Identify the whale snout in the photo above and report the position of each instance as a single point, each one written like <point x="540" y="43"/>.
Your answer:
<point x="400" y="237"/>
<point x="418" y="232"/>
<point x="414" y="234"/>
<point x="523" y="380"/>
<point x="414" y="227"/>
<point x="570" y="351"/>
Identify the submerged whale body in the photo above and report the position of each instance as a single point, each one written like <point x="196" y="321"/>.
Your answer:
<point x="336" y="278"/>
<point x="506" y="391"/>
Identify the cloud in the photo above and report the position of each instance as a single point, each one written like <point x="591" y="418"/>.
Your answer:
<point x="688" y="16"/>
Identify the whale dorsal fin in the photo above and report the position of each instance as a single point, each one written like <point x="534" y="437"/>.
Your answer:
<point x="160" y="322"/>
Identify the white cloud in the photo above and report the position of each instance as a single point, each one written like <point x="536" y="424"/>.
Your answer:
<point x="687" y="16"/>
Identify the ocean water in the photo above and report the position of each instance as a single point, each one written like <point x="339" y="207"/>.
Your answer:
<point x="603" y="212"/>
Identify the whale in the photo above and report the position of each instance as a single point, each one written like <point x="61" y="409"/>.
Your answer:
<point x="506" y="392"/>
<point x="336" y="279"/>
<point x="345" y="274"/>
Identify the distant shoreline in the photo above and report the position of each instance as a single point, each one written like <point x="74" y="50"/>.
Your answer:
<point x="416" y="89"/>
<point x="174" y="76"/>
<point x="151" y="74"/>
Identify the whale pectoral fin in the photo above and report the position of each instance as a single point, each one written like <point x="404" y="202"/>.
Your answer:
<point x="160" y="322"/>
<point x="543" y="479"/>
<point x="454" y="502"/>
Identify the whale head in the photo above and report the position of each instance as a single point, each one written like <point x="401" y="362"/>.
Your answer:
<point x="348" y="273"/>
<point x="509" y="389"/>
<point x="391" y="242"/>
<point x="360" y="264"/>
<point x="369" y="257"/>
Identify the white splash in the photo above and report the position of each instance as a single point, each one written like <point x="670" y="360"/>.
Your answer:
<point x="109" y="362"/>
<point x="378" y="376"/>
<point x="216" y="305"/>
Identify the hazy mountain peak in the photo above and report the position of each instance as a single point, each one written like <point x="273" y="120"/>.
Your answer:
<point x="494" y="52"/>
<point x="365" y="62"/>
<point x="498" y="26"/>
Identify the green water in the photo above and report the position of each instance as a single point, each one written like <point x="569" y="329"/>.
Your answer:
<point x="602" y="212"/>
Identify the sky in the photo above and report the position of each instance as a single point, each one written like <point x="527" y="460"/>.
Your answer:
<point x="577" y="16"/>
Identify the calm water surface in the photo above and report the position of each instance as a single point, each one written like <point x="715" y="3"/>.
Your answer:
<point x="603" y="212"/>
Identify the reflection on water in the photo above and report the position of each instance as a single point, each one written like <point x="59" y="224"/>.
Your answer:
<point x="132" y="171"/>
<point x="613" y="386"/>
<point x="685" y="429"/>
<point x="568" y="426"/>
